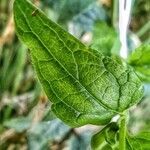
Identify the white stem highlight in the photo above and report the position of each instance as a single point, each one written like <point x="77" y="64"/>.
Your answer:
<point x="124" y="18"/>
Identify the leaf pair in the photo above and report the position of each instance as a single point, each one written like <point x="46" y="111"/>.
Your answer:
<point x="84" y="86"/>
<point x="107" y="139"/>
<point x="104" y="38"/>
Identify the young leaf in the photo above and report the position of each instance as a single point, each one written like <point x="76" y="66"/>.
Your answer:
<point x="140" y="60"/>
<point x="139" y="142"/>
<point x="83" y="85"/>
<point x="104" y="38"/>
<point x="106" y="139"/>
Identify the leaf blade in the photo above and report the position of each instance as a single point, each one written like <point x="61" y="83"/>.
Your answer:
<point x="78" y="80"/>
<point x="140" y="60"/>
<point x="106" y="138"/>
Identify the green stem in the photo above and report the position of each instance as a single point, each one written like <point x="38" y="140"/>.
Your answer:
<point x="144" y="29"/>
<point x="115" y="11"/>
<point x="122" y="132"/>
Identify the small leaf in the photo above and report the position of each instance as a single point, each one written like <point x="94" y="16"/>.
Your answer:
<point x="84" y="86"/>
<point x="139" y="142"/>
<point x="103" y="38"/>
<point x="106" y="138"/>
<point x="140" y="60"/>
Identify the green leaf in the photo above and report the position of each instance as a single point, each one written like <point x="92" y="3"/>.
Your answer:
<point x="139" y="142"/>
<point x="106" y="139"/>
<point x="84" y="86"/>
<point x="140" y="60"/>
<point x="103" y="38"/>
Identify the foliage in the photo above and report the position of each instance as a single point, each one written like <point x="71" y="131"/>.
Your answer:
<point x="104" y="38"/>
<point x="63" y="74"/>
<point x="26" y="120"/>
<point x="140" y="60"/>
<point x="107" y="139"/>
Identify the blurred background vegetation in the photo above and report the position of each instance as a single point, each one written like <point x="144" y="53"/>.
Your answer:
<point x="26" y="120"/>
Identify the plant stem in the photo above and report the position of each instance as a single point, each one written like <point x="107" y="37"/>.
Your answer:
<point x="122" y="132"/>
<point x="115" y="13"/>
<point x="144" y="29"/>
<point x="124" y="19"/>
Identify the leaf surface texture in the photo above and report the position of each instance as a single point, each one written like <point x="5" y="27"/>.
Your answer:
<point x="84" y="86"/>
